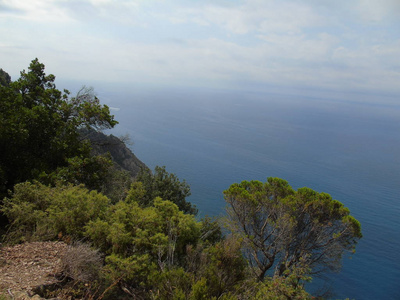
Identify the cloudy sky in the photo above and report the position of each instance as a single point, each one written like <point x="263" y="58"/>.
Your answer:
<point x="322" y="44"/>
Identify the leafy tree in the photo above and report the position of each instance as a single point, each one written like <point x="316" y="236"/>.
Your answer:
<point x="93" y="171"/>
<point x="166" y="186"/>
<point x="39" y="125"/>
<point x="282" y="228"/>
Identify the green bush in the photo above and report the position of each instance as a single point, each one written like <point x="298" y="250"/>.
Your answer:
<point x="142" y="241"/>
<point x="162" y="230"/>
<point x="40" y="212"/>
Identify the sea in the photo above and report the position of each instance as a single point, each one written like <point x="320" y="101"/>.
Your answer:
<point x="346" y="146"/>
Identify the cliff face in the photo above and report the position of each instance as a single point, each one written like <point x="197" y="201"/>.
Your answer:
<point x="121" y="155"/>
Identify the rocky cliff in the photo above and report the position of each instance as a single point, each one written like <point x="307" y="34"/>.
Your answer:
<point x="121" y="155"/>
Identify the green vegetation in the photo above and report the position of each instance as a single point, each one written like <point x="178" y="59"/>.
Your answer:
<point x="38" y="212"/>
<point x="167" y="186"/>
<point x="39" y="129"/>
<point x="152" y="244"/>
<point x="286" y="229"/>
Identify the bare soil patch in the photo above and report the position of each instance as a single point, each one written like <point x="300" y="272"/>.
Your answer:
<point x="26" y="266"/>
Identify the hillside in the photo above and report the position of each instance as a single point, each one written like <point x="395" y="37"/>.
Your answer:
<point x="121" y="155"/>
<point x="129" y="233"/>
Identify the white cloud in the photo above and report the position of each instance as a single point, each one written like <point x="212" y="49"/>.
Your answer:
<point x="309" y="43"/>
<point x="300" y="47"/>
<point x="252" y="16"/>
<point x="37" y="10"/>
<point x="376" y="11"/>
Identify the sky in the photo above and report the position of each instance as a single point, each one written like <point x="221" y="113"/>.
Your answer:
<point x="330" y="45"/>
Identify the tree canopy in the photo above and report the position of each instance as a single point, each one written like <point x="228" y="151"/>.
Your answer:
<point x="283" y="229"/>
<point x="165" y="185"/>
<point x="39" y="125"/>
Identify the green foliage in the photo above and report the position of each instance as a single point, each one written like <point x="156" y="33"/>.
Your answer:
<point x="133" y="272"/>
<point x="288" y="286"/>
<point x="223" y="266"/>
<point x="39" y="126"/>
<point x="161" y="230"/>
<point x="172" y="283"/>
<point x="116" y="184"/>
<point x="92" y="171"/>
<point x="166" y="186"/>
<point x="276" y="288"/>
<point x="159" y="252"/>
<point x="213" y="272"/>
<point x="141" y="241"/>
<point x="200" y="290"/>
<point x="281" y="227"/>
<point x="211" y="231"/>
<point x="154" y="247"/>
<point x="40" y="212"/>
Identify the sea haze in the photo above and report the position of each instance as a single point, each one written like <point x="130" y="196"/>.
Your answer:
<point x="347" y="149"/>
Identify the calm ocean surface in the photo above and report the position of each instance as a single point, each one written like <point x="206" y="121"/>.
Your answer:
<point x="350" y="150"/>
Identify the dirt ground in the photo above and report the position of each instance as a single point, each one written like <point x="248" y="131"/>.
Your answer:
<point x="26" y="266"/>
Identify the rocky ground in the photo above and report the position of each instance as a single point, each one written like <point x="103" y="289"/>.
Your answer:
<point x="25" y="267"/>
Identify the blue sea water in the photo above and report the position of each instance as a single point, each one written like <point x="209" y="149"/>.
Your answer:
<point x="347" y="149"/>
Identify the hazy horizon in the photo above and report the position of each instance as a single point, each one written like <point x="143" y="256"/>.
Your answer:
<point x="290" y="46"/>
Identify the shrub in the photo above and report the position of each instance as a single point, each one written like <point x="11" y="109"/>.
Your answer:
<point x="143" y="242"/>
<point x="40" y="212"/>
<point x="26" y="211"/>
